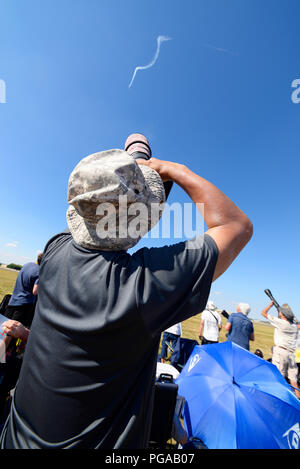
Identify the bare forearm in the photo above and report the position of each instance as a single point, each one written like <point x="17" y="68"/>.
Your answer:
<point x="264" y="313"/>
<point x="218" y="209"/>
<point x="229" y="227"/>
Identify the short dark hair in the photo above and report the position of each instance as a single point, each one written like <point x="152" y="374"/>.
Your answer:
<point x="39" y="258"/>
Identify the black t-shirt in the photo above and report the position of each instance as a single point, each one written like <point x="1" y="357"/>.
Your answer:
<point x="89" y="367"/>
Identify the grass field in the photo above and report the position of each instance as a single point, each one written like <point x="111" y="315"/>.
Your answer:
<point x="7" y="281"/>
<point x="263" y="332"/>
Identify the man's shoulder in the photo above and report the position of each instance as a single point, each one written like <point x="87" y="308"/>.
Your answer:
<point x="191" y="250"/>
<point x="275" y="320"/>
<point x="30" y="267"/>
<point x="239" y="317"/>
<point x="232" y="316"/>
<point x="64" y="236"/>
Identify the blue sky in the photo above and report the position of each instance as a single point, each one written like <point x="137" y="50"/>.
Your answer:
<point x="218" y="99"/>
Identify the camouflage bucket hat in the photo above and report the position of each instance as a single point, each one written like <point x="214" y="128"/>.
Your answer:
<point x="113" y="201"/>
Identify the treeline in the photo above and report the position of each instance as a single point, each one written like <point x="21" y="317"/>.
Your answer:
<point x="14" y="266"/>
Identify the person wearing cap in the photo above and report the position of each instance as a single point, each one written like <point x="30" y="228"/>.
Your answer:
<point x="210" y="325"/>
<point x="87" y="379"/>
<point x="285" y="342"/>
<point x="239" y="327"/>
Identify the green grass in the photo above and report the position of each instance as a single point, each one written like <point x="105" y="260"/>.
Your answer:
<point x="7" y="282"/>
<point x="263" y="332"/>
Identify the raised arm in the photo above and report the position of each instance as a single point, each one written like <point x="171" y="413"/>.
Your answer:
<point x="265" y="311"/>
<point x="230" y="228"/>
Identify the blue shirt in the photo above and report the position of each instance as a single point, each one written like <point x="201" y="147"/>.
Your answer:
<point x="241" y="330"/>
<point x="26" y="279"/>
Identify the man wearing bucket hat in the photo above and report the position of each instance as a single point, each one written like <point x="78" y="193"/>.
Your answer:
<point x="285" y="342"/>
<point x="88" y="374"/>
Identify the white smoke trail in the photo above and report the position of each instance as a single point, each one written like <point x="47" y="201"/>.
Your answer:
<point x="220" y="49"/>
<point x="160" y="39"/>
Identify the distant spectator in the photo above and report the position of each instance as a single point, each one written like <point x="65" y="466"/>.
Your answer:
<point x="259" y="353"/>
<point x="285" y="341"/>
<point x="21" y="305"/>
<point x="239" y="327"/>
<point x="170" y="336"/>
<point x="20" y="311"/>
<point x="210" y="325"/>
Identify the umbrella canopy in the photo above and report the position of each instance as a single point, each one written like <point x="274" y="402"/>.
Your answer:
<point x="235" y="399"/>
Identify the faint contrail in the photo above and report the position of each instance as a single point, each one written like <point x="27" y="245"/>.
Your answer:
<point x="160" y="39"/>
<point x="220" y="49"/>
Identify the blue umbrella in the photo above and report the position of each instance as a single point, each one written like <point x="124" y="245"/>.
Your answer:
<point x="235" y="399"/>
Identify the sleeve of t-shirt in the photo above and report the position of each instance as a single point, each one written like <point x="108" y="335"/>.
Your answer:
<point x="54" y="243"/>
<point x="276" y="322"/>
<point x="230" y="319"/>
<point x="34" y="277"/>
<point x="173" y="282"/>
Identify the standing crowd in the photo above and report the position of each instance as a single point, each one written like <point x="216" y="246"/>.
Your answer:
<point x="240" y="330"/>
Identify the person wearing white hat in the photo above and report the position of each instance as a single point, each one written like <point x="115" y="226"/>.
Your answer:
<point x="88" y="374"/>
<point x="210" y="325"/>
